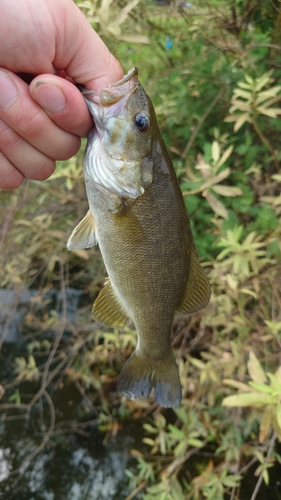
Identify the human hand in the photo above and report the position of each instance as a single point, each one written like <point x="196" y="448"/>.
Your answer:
<point x="43" y="122"/>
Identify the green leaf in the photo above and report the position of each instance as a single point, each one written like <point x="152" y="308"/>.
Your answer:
<point x="181" y="448"/>
<point x="232" y="481"/>
<point x="195" y="442"/>
<point x="176" y="431"/>
<point x="262" y="387"/>
<point x="278" y="414"/>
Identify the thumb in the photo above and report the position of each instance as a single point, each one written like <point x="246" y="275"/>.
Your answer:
<point x="82" y="53"/>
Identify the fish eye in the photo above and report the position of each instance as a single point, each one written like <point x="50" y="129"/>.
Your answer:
<point x="142" y="122"/>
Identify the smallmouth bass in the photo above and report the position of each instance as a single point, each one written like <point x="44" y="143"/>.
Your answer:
<point x="138" y="217"/>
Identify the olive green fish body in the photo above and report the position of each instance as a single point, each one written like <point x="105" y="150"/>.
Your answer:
<point x="138" y="216"/>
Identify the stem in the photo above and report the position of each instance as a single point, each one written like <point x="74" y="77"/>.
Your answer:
<point x="265" y="141"/>
<point x="201" y="121"/>
<point x="136" y="490"/>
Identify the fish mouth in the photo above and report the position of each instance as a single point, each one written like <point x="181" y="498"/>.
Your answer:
<point x="115" y="91"/>
<point x="132" y="72"/>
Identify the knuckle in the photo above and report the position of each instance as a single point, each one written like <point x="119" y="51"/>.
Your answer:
<point x="8" y="138"/>
<point x="70" y="149"/>
<point x="44" y="170"/>
<point x="31" y="126"/>
<point x="10" y="177"/>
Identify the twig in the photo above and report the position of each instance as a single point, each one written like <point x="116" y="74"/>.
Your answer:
<point x="136" y="490"/>
<point x="45" y="379"/>
<point x="233" y="493"/>
<point x="267" y="45"/>
<point x="260" y="479"/>
<point x="45" y="440"/>
<point x="201" y="121"/>
<point x="266" y="142"/>
<point x="178" y="462"/>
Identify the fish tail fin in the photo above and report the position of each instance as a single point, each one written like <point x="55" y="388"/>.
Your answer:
<point x="142" y="373"/>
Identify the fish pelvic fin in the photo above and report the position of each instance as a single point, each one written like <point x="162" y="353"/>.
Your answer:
<point x="84" y="235"/>
<point x="107" y="308"/>
<point x="198" y="290"/>
<point x="141" y="374"/>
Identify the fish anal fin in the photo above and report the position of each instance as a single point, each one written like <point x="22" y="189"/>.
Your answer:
<point x="141" y="374"/>
<point x="107" y="308"/>
<point x="198" y="290"/>
<point x="84" y="235"/>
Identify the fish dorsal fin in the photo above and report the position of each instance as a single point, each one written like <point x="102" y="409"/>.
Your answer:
<point x="84" y="235"/>
<point x="107" y="308"/>
<point x="198" y="290"/>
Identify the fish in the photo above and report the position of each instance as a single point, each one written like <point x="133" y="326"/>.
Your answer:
<point x="138" y="216"/>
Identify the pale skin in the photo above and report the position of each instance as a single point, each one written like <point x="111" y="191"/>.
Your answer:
<point x="43" y="121"/>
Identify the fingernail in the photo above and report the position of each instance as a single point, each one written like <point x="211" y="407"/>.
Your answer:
<point x="8" y="91"/>
<point x="49" y="96"/>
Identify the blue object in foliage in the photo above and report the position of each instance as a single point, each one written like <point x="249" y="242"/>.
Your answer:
<point x="169" y="43"/>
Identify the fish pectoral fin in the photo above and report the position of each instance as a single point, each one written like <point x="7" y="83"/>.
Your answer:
<point x="108" y="310"/>
<point x="84" y="235"/>
<point x="141" y="374"/>
<point x="198" y="290"/>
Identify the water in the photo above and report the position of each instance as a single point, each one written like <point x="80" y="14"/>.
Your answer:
<point x="78" y="462"/>
<point x="71" y="467"/>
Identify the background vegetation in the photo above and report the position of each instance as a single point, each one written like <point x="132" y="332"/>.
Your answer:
<point x="212" y="69"/>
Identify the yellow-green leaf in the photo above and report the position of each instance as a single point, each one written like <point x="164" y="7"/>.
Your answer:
<point x="266" y="421"/>
<point x="271" y="112"/>
<point x="225" y="156"/>
<point x="248" y="399"/>
<point x="267" y="94"/>
<point x="245" y="117"/>
<point x="244" y="85"/>
<point x="255" y="369"/>
<point x="230" y="118"/>
<point x="134" y="38"/>
<point x="262" y="81"/>
<point x="249" y="79"/>
<point x="215" y="204"/>
<point x="237" y="384"/>
<point x="123" y="14"/>
<point x="148" y="441"/>
<point x="242" y="93"/>
<point x="216" y="151"/>
<point x="227" y="190"/>
<point x="261" y="387"/>
<point x="249" y="292"/>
